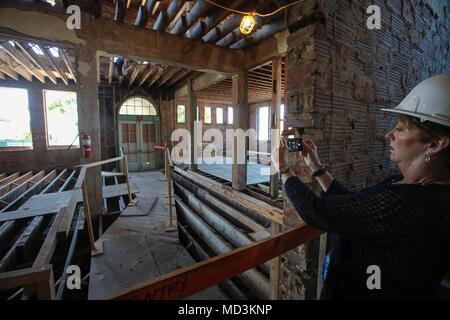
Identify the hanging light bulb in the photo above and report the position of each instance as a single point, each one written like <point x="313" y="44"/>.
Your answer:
<point x="247" y="24"/>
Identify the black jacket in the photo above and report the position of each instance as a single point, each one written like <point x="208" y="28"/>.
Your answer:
<point x="404" y="229"/>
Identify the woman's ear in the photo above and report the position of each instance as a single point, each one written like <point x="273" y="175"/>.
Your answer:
<point x="438" y="144"/>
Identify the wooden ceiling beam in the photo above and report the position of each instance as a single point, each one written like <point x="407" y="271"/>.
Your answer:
<point x="111" y="70"/>
<point x="199" y="9"/>
<point x="150" y="70"/>
<point x="180" y="16"/>
<point x="48" y="54"/>
<point x="27" y="53"/>
<point x="143" y="13"/>
<point x="233" y="22"/>
<point x="166" y="16"/>
<point x="18" y="57"/>
<point x="135" y="73"/>
<point x="9" y="71"/>
<point x="68" y="64"/>
<point x="155" y="76"/>
<point x="177" y="77"/>
<point x="214" y="18"/>
<point x="119" y="14"/>
<point x="261" y="34"/>
<point x="166" y="76"/>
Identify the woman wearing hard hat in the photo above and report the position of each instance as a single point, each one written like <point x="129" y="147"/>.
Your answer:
<point x="393" y="239"/>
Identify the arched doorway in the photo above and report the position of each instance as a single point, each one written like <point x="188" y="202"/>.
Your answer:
<point x="139" y="131"/>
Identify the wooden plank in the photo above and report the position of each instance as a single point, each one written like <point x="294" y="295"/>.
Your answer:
<point x="9" y="186"/>
<point x="49" y="74"/>
<point x="189" y="280"/>
<point x="22" y="277"/>
<point x="36" y="188"/>
<point x="9" y="197"/>
<point x="275" y="267"/>
<point x="124" y="262"/>
<point x="70" y="209"/>
<point x="48" y="247"/>
<point x="40" y="205"/>
<point x="9" y="178"/>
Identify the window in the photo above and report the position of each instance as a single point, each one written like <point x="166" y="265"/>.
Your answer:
<point x="61" y="117"/>
<point x="198" y="114"/>
<point x="14" y="118"/>
<point x="207" y="115"/>
<point x="138" y="107"/>
<point x="281" y="118"/>
<point x="230" y="115"/>
<point x="263" y="123"/>
<point x="219" y="115"/>
<point x="181" y="113"/>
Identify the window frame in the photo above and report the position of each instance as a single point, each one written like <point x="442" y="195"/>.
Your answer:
<point x="210" y="115"/>
<point x="21" y="148"/>
<point x="184" y="117"/>
<point x="74" y="144"/>
<point x="217" y="115"/>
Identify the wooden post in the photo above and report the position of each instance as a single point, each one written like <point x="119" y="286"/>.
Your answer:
<point x="275" y="121"/>
<point x="170" y="227"/>
<point x="166" y="162"/>
<point x="192" y="107"/>
<point x="125" y="171"/>
<point x="87" y="214"/>
<point x="275" y="266"/>
<point x="240" y="121"/>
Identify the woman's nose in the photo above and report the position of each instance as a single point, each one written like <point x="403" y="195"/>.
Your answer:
<point x="389" y="135"/>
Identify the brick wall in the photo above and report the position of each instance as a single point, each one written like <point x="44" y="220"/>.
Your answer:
<point x="340" y="74"/>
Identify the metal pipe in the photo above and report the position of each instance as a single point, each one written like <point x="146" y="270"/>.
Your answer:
<point x="228" y="286"/>
<point x="220" y="224"/>
<point x="252" y="278"/>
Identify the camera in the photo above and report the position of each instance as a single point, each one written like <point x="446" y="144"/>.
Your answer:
<point x="294" y="145"/>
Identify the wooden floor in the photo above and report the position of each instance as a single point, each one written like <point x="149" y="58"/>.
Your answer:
<point x="137" y="247"/>
<point x="256" y="172"/>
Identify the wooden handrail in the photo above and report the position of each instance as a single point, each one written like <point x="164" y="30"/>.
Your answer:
<point x="184" y="282"/>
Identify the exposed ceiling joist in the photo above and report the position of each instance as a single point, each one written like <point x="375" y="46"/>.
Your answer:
<point x="18" y="57"/>
<point x="48" y="54"/>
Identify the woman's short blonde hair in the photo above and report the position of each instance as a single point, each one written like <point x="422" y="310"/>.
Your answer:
<point x="428" y="131"/>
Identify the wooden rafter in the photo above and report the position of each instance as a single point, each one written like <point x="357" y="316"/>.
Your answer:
<point x="180" y="24"/>
<point x="49" y="74"/>
<point x="68" y="64"/>
<point x="150" y="70"/>
<point x="111" y="70"/>
<point x="143" y="13"/>
<point x="18" y="57"/>
<point x="119" y="14"/>
<point x="177" y="77"/>
<point x="135" y="73"/>
<point x="155" y="77"/>
<point x="166" y="76"/>
<point x="9" y="71"/>
<point x="48" y="54"/>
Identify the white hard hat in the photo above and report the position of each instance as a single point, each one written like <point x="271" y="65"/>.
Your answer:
<point x="429" y="101"/>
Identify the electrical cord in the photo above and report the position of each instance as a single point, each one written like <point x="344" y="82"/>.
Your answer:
<point x="255" y="13"/>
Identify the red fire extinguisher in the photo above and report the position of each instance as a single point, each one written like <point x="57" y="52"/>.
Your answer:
<point x="86" y="145"/>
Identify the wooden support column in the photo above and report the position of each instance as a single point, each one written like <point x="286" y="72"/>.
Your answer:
<point x="89" y="123"/>
<point x="275" y="121"/>
<point x="275" y="266"/>
<point x="240" y="121"/>
<point x="192" y="106"/>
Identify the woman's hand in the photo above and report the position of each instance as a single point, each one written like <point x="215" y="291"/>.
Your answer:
<point x="309" y="154"/>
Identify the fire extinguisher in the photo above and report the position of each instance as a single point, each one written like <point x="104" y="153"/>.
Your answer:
<point x="86" y="145"/>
